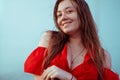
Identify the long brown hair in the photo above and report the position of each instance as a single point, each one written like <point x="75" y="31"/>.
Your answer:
<point x="89" y="36"/>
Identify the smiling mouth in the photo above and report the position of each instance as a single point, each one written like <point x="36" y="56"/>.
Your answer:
<point x="66" y="23"/>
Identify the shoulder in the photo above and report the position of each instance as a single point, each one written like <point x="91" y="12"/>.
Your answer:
<point x="46" y="37"/>
<point x="44" y="41"/>
<point x="107" y="63"/>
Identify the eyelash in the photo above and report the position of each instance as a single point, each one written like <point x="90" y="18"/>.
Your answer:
<point x="67" y="11"/>
<point x="59" y="15"/>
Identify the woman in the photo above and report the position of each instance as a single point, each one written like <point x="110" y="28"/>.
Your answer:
<point x="74" y="51"/>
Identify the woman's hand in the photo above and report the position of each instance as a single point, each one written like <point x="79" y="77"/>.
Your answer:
<point x="55" y="72"/>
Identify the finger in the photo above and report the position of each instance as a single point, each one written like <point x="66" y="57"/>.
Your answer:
<point x="50" y="75"/>
<point x="54" y="76"/>
<point x="46" y="72"/>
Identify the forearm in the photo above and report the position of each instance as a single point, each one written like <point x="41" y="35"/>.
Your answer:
<point x="70" y="76"/>
<point x="37" y="77"/>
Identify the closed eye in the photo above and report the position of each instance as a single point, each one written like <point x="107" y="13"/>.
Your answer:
<point x="59" y="15"/>
<point x="69" y="11"/>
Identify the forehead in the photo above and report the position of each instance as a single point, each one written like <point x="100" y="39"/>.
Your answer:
<point x="66" y="4"/>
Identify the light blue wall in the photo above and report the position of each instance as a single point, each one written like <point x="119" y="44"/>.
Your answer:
<point x="106" y="14"/>
<point x="23" y="21"/>
<point x="21" y="24"/>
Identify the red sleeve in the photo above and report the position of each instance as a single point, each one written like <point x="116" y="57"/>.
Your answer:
<point x="110" y="75"/>
<point x="33" y="63"/>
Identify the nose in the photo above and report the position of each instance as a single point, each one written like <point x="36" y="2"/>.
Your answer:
<point x="64" y="17"/>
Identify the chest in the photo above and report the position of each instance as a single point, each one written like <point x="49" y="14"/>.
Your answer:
<point x="75" y="59"/>
<point x="83" y="69"/>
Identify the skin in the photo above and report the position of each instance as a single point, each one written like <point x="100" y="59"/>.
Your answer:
<point x="46" y="37"/>
<point x="67" y="18"/>
<point x="69" y="23"/>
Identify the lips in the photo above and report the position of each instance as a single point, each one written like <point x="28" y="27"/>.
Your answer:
<point x="66" y="23"/>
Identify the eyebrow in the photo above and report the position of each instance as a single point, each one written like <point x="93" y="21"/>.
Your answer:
<point x="65" y="9"/>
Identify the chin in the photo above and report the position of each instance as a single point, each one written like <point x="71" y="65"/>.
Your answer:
<point x="67" y="32"/>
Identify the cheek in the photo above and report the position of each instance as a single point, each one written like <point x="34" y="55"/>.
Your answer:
<point x="58" y="22"/>
<point x="75" y="17"/>
<point x="76" y="23"/>
<point x="77" y="20"/>
<point x="59" y="25"/>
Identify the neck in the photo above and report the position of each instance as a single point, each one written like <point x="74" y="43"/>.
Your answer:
<point x="75" y="43"/>
<point x="75" y="40"/>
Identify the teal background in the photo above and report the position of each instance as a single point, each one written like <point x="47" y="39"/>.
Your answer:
<point x="22" y="23"/>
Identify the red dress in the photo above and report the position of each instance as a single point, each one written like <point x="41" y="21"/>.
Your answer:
<point x="85" y="71"/>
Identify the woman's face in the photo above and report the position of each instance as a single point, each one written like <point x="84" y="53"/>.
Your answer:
<point x="67" y="17"/>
